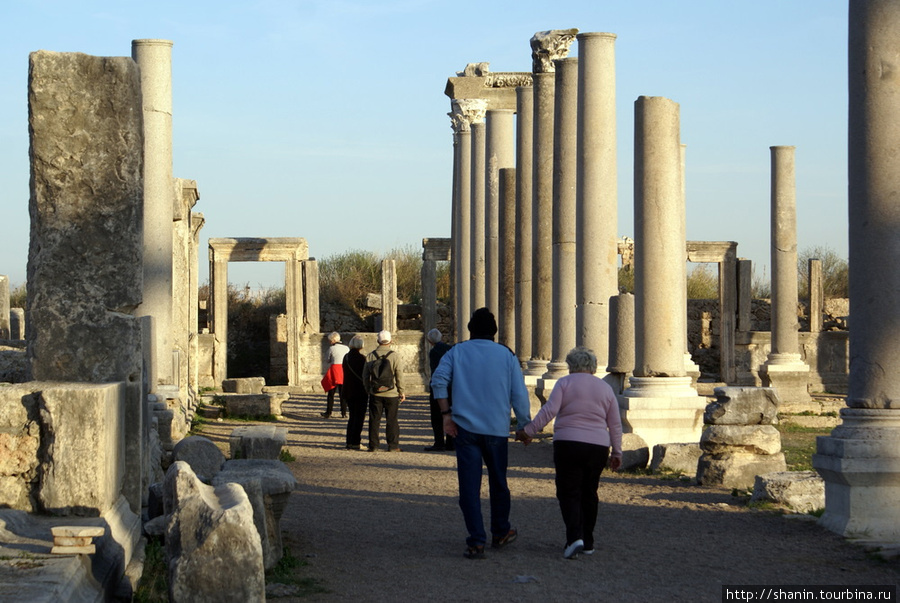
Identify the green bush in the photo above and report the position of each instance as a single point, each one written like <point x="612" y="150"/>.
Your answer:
<point x="702" y="283"/>
<point x="835" y="272"/>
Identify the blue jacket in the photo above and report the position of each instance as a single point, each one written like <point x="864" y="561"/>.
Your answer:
<point x="487" y="381"/>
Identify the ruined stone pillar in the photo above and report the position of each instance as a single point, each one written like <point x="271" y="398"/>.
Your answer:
<point x="433" y="251"/>
<point x="565" y="166"/>
<point x="597" y="195"/>
<point x="389" y="296"/>
<point x="154" y="58"/>
<point x="184" y="302"/>
<point x="311" y="320"/>
<point x="506" y="303"/>
<point x="4" y="307"/>
<point x="816" y="295"/>
<point x="218" y="312"/>
<point x="860" y="460"/>
<point x="500" y="153"/>
<point x="659" y="405"/>
<point x="197" y="223"/>
<point x="547" y="47"/>
<point x="784" y="370"/>
<point x="621" y="341"/>
<point x="479" y="181"/>
<point x="294" y="300"/>
<point x="744" y="290"/>
<point x="524" y="231"/>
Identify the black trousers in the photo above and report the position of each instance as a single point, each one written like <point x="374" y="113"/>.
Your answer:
<point x="578" y="468"/>
<point x="330" y="406"/>
<point x="437" y="425"/>
<point x="378" y="406"/>
<point x="357" y="407"/>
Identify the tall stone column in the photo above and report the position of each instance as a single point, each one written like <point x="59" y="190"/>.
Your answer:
<point x="4" y="307"/>
<point x="524" y="232"/>
<point x="389" y="296"/>
<point x="597" y="196"/>
<point x="154" y="58"/>
<point x="547" y="47"/>
<point x="479" y="166"/>
<point x="659" y="405"/>
<point x="506" y="304"/>
<point x="500" y="153"/>
<point x="860" y="460"/>
<point x="565" y="165"/>
<point x="784" y="370"/>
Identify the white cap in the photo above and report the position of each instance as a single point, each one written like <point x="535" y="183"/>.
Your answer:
<point x="384" y="336"/>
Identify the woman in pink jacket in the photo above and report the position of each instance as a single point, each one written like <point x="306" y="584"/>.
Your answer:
<point x="587" y="434"/>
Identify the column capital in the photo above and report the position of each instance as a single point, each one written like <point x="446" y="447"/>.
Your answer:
<point x="548" y="46"/>
<point x="465" y="112"/>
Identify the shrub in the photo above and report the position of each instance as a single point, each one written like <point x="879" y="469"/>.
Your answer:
<point x="702" y="283"/>
<point x="835" y="272"/>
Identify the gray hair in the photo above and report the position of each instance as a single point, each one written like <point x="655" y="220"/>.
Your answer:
<point x="581" y="360"/>
<point x="334" y="337"/>
<point x="356" y="342"/>
<point x="433" y="336"/>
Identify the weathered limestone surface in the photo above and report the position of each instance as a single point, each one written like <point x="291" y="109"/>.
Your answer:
<point x="756" y="439"/>
<point x="803" y="491"/>
<point x="20" y="439"/>
<point x="213" y="549"/>
<point x="255" y="404"/>
<point x="635" y="452"/>
<point x="245" y="385"/>
<point x="13" y="365"/>
<point x="676" y="457"/>
<point x="737" y="470"/>
<point x="257" y="442"/>
<point x="743" y="406"/>
<point x="86" y="206"/>
<point x="17" y="324"/>
<point x="203" y="456"/>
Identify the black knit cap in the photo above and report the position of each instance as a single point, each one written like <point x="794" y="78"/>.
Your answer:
<point x="482" y="324"/>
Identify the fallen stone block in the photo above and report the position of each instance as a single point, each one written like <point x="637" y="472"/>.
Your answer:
<point x="676" y="457"/>
<point x="254" y="405"/>
<point x="257" y="442"/>
<point x="743" y="406"/>
<point x="802" y="491"/>
<point x="213" y="549"/>
<point x="738" y="470"/>
<point x="635" y="452"/>
<point x="202" y="454"/>
<point x="244" y="385"/>
<point x="753" y="439"/>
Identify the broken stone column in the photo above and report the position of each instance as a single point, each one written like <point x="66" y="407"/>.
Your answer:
<point x="17" y="324"/>
<point x="621" y="341"/>
<point x="546" y="48"/>
<point x="184" y="307"/>
<point x="860" y="460"/>
<point x="565" y="166"/>
<point x="506" y="303"/>
<point x="659" y="405"/>
<point x="816" y="295"/>
<point x="784" y="369"/>
<point x="744" y="291"/>
<point x="524" y="230"/>
<point x="389" y="295"/>
<point x="312" y="322"/>
<point x="479" y="181"/>
<point x="154" y="58"/>
<point x="500" y="153"/>
<point x="597" y="200"/>
<point x="433" y="250"/>
<point x="4" y="307"/>
<point x="740" y="441"/>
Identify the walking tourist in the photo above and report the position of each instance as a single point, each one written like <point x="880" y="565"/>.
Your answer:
<point x="381" y="376"/>
<point x="587" y="427"/>
<point x="487" y="381"/>
<point x="334" y="377"/>
<point x="353" y="393"/>
<point x="442" y="441"/>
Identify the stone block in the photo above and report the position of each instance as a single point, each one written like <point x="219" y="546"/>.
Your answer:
<point x="213" y="549"/>
<point x="13" y="366"/>
<point x="254" y="405"/>
<point x="737" y="470"/>
<point x="85" y="268"/>
<point x="676" y="457"/>
<point x="743" y="406"/>
<point x="752" y="439"/>
<point x="802" y="491"/>
<point x="16" y="324"/>
<point x="635" y="452"/>
<point x="202" y="454"/>
<point x="244" y="385"/>
<point x="257" y="442"/>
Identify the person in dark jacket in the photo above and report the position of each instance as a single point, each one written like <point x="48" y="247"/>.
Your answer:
<point x="438" y="349"/>
<point x="354" y="394"/>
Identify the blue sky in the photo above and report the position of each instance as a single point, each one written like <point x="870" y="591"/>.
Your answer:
<point x="327" y="119"/>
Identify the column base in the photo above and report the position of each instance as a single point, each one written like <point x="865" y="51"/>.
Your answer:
<point x="691" y="368"/>
<point x="556" y="370"/>
<point x="662" y="410"/>
<point x="536" y="368"/>
<point x="789" y="376"/>
<point x="860" y="463"/>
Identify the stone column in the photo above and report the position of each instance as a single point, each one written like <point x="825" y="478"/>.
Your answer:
<point x="389" y="296"/>
<point x="524" y="157"/>
<point x="218" y="311"/>
<point x="311" y="320"/>
<point x="597" y="195"/>
<point x="621" y="341"/>
<point x="659" y="405"/>
<point x="816" y="295"/>
<point x="4" y="307"/>
<point x="860" y="460"/>
<point x="744" y="302"/>
<point x="500" y="153"/>
<point x="506" y="303"/>
<point x="565" y="165"/>
<point x="294" y="299"/>
<point x="546" y="47"/>
<point x="479" y="180"/>
<point x="184" y="306"/>
<point x="784" y="370"/>
<point x="154" y="58"/>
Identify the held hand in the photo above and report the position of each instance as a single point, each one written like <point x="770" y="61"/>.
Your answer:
<point x="523" y="437"/>
<point x="402" y="397"/>
<point x="615" y="462"/>
<point x="450" y="426"/>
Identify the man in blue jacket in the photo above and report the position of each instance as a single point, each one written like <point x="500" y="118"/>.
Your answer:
<point x="487" y="381"/>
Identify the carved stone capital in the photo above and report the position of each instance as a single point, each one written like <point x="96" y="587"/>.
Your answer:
<point x="465" y="112"/>
<point x="548" y="46"/>
<point x="475" y="70"/>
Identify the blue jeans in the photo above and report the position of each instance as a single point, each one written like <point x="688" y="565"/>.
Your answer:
<point x="471" y="450"/>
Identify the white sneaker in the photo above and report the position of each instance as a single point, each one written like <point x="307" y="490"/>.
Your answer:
<point x="587" y="552"/>
<point x="573" y="549"/>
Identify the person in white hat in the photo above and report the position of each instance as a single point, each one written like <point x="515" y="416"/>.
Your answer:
<point x="382" y="376"/>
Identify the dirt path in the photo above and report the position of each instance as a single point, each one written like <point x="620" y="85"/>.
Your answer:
<point x="386" y="527"/>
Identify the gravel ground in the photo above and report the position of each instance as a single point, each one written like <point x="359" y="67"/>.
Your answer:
<point x="387" y="527"/>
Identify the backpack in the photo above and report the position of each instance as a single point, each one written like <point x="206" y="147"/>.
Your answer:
<point x="381" y="375"/>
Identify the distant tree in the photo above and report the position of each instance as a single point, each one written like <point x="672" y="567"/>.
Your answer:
<point x="835" y="272"/>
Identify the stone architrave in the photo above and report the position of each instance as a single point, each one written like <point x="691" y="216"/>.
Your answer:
<point x="784" y="369"/>
<point x="506" y="302"/>
<point x="4" y="307"/>
<point x="500" y="153"/>
<point x="659" y="405"/>
<point x="860" y="460"/>
<point x="597" y="197"/>
<point x="546" y="48"/>
<point x="154" y="59"/>
<point x="524" y="231"/>
<point x="477" y="236"/>
<point x="565" y="166"/>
